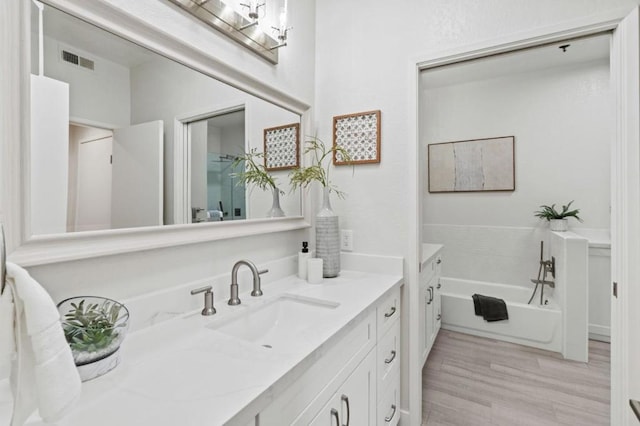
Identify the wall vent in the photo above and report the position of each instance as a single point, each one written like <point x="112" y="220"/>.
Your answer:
<point x="77" y="60"/>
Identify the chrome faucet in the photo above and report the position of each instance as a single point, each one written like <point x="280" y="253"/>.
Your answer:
<point x="257" y="291"/>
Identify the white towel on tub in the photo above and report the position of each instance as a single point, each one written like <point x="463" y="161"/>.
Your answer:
<point x="43" y="375"/>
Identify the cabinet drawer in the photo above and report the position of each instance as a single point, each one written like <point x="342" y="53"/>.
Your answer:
<point x="388" y="357"/>
<point x="388" y="311"/>
<point x="314" y="387"/>
<point x="388" y="412"/>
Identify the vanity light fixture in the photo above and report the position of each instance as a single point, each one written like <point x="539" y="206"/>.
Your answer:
<point x="282" y="30"/>
<point x="223" y="18"/>
<point x="254" y="9"/>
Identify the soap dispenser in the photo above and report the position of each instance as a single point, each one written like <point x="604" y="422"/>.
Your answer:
<point x="303" y="256"/>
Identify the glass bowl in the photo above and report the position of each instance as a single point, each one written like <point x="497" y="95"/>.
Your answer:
<point x="93" y="326"/>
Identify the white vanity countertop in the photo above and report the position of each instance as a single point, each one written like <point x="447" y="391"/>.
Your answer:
<point x="428" y="251"/>
<point x="180" y="372"/>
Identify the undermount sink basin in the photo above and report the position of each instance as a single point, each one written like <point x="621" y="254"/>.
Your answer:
<point x="278" y="322"/>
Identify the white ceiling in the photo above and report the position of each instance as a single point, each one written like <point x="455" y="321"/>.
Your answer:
<point x="522" y="61"/>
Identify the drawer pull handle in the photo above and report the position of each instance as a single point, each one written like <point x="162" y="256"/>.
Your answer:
<point x="393" y="413"/>
<point x="439" y="261"/>
<point x="439" y="286"/>
<point x="345" y="399"/>
<point x="334" y="413"/>
<point x="438" y="317"/>
<point x="391" y="312"/>
<point x="430" y="290"/>
<point x="391" y="358"/>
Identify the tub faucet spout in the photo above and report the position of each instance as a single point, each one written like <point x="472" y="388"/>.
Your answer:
<point x="546" y="267"/>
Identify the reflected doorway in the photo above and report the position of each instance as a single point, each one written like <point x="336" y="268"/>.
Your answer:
<point x="216" y="142"/>
<point x="89" y="201"/>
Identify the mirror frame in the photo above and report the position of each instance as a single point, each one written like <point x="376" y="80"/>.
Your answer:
<point x="28" y="250"/>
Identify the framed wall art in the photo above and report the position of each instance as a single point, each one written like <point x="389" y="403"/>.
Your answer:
<point x="282" y="147"/>
<point x="359" y="135"/>
<point x="472" y="165"/>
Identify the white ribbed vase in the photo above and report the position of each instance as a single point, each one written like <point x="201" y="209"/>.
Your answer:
<point x="275" y="211"/>
<point x="328" y="238"/>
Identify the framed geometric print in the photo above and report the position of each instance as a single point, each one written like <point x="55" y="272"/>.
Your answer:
<point x="282" y="147"/>
<point x="359" y="135"/>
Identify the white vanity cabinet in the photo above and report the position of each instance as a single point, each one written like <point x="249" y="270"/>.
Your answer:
<point x="388" y="362"/>
<point x="352" y="404"/>
<point x="355" y="382"/>
<point x="430" y="302"/>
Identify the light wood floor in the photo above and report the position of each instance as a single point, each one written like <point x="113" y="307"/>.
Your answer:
<point x="472" y="381"/>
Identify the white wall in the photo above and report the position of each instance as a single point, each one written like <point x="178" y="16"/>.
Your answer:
<point x="365" y="51"/>
<point x="49" y="155"/>
<point x="165" y="90"/>
<point x="363" y="64"/>
<point x="98" y="97"/>
<point x="295" y="71"/>
<point x="137" y="273"/>
<point x="562" y="120"/>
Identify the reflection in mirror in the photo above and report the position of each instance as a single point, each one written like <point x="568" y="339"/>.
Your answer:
<point x="107" y="117"/>
<point x="216" y="142"/>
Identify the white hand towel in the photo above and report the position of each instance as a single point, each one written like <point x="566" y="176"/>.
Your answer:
<point x="7" y="332"/>
<point x="44" y="376"/>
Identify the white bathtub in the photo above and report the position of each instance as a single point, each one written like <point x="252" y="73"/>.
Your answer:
<point x="530" y="325"/>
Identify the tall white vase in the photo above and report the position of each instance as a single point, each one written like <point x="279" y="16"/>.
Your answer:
<point x="275" y="210"/>
<point x="328" y="238"/>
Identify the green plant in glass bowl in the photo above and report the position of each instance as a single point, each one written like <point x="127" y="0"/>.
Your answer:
<point x="93" y="326"/>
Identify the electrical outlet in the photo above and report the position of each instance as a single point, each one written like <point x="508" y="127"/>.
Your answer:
<point x="346" y="240"/>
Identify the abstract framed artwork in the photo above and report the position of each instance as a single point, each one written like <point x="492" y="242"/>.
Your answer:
<point x="359" y="135"/>
<point x="282" y="147"/>
<point x="472" y="165"/>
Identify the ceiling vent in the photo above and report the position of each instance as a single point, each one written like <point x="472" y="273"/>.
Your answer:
<point x="77" y="60"/>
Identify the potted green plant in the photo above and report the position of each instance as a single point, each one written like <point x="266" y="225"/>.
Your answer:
<point x="94" y="327"/>
<point x="256" y="174"/>
<point x="558" y="220"/>
<point x="327" y="223"/>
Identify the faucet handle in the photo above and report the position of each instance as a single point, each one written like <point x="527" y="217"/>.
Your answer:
<point x="257" y="289"/>
<point x="209" y="309"/>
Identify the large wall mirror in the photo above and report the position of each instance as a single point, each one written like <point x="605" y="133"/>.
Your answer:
<point x="122" y="137"/>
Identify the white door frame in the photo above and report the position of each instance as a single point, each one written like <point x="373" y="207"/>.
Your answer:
<point x="182" y="154"/>
<point x="625" y="191"/>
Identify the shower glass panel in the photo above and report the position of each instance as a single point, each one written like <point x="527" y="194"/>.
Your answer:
<point x="225" y="199"/>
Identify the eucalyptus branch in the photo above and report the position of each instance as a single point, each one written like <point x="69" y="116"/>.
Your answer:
<point x="254" y="172"/>
<point x="320" y="168"/>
